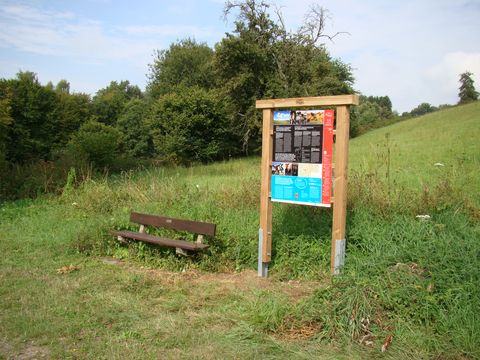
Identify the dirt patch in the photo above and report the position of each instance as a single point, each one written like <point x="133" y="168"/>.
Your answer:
<point x="297" y="332"/>
<point x="5" y="348"/>
<point x="33" y="352"/>
<point x="29" y="352"/>
<point x="410" y="268"/>
<point x="246" y="280"/>
<point x="111" y="261"/>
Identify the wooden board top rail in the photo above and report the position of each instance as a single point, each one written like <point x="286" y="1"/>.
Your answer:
<point x="196" y="227"/>
<point x="336" y="100"/>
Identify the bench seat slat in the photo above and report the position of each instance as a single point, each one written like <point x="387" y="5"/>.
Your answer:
<point x="186" y="245"/>
<point x="196" y="227"/>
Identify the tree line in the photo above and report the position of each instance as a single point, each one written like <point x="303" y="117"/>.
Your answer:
<point x="198" y="106"/>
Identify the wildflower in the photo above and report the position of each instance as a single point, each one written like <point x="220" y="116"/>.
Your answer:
<point x="423" y="217"/>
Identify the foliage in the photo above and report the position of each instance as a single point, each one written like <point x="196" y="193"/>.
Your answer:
<point x="467" y="90"/>
<point x="63" y="86"/>
<point x="136" y="139"/>
<point x="70" y="111"/>
<point x="5" y="121"/>
<point x="189" y="125"/>
<point x="422" y="109"/>
<point x="384" y="103"/>
<point x="261" y="59"/>
<point x="186" y="63"/>
<point x="372" y="112"/>
<point x="30" y="129"/>
<point x="96" y="143"/>
<point x="108" y="103"/>
<point x="38" y="121"/>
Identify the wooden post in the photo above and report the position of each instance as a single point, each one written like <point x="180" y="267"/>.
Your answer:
<point x="265" y="231"/>
<point x="340" y="190"/>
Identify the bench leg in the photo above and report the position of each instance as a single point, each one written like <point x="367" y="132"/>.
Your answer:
<point x="180" y="251"/>
<point x="121" y="239"/>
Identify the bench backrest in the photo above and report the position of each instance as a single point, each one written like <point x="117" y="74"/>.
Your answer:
<point x="196" y="227"/>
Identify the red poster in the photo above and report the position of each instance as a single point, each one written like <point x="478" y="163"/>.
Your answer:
<point x="327" y="156"/>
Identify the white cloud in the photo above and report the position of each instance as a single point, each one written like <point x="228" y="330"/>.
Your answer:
<point x="453" y="64"/>
<point x="64" y="34"/>
<point x="445" y="75"/>
<point x="23" y="13"/>
<point x="174" y="30"/>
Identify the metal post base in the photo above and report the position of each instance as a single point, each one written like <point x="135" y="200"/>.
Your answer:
<point x="262" y="266"/>
<point x="263" y="270"/>
<point x="339" y="256"/>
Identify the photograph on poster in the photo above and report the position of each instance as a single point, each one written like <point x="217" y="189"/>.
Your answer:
<point x="281" y="168"/>
<point x="299" y="117"/>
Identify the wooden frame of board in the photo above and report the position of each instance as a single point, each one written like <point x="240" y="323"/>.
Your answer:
<point x="342" y="104"/>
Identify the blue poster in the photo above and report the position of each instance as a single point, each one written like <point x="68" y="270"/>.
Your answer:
<point x="297" y="189"/>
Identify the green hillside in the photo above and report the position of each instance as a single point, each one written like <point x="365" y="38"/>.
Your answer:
<point x="414" y="280"/>
<point x="449" y="137"/>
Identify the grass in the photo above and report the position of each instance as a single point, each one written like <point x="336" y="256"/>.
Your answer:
<point x="415" y="280"/>
<point x="408" y="151"/>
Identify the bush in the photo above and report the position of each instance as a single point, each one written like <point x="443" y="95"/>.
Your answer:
<point x="190" y="125"/>
<point x="96" y="143"/>
<point x="136" y="141"/>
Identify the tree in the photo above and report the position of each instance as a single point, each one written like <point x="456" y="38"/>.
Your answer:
<point x="31" y="131"/>
<point x="63" y="86"/>
<point x="69" y="113"/>
<point x="467" y="91"/>
<point x="383" y="102"/>
<point x="422" y="109"/>
<point x="35" y="120"/>
<point x="261" y="59"/>
<point x="185" y="63"/>
<point x="108" y="103"/>
<point x="96" y="143"/>
<point x="5" y="121"/>
<point x="136" y="138"/>
<point x="190" y="125"/>
<point x="367" y="115"/>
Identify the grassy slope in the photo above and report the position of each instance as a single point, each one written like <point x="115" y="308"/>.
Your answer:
<point x="448" y="137"/>
<point x="417" y="281"/>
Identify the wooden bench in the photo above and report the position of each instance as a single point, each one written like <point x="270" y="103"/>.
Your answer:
<point x="200" y="229"/>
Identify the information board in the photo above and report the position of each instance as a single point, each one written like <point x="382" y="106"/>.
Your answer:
<point x="302" y="157"/>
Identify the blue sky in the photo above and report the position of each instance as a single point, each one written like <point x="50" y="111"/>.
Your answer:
<point x="412" y="51"/>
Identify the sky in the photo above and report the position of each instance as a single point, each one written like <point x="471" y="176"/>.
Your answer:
<point x="411" y="50"/>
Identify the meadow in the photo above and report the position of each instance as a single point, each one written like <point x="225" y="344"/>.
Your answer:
<point x="68" y="289"/>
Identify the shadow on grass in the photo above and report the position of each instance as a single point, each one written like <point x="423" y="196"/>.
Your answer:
<point x="298" y="220"/>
